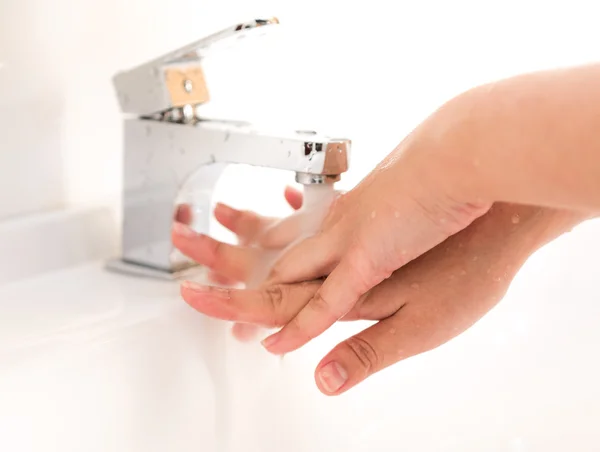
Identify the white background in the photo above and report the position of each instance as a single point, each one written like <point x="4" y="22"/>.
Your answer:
<point x="367" y="70"/>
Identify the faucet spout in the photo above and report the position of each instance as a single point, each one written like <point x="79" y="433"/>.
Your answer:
<point x="302" y="152"/>
<point x="162" y="157"/>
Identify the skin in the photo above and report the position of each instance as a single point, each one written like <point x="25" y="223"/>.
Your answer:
<point x="421" y="306"/>
<point x="526" y="141"/>
<point x="230" y="265"/>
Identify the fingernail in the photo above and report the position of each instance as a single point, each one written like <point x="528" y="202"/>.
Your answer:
<point x="195" y="286"/>
<point x="270" y="341"/>
<point x="332" y="377"/>
<point x="183" y="230"/>
<point x="224" y="210"/>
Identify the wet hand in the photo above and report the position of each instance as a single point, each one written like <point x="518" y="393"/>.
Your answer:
<point x="421" y="306"/>
<point x="228" y="264"/>
<point x="409" y="204"/>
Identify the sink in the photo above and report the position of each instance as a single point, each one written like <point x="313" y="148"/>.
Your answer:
<point x="91" y="361"/>
<point x="96" y="361"/>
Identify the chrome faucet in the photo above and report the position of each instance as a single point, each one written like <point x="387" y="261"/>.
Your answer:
<point x="168" y="146"/>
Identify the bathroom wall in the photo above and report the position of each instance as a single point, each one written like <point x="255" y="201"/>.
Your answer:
<point x="370" y="71"/>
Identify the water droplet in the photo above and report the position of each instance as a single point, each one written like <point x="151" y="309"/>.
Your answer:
<point x="415" y="286"/>
<point x="488" y="270"/>
<point x="497" y="279"/>
<point x="373" y="214"/>
<point x="443" y="220"/>
<point x="475" y="258"/>
<point x="340" y="151"/>
<point x="452" y="277"/>
<point x="404" y="252"/>
<point x="392" y="330"/>
<point x="397" y="214"/>
<point x="463" y="272"/>
<point x="460" y="244"/>
<point x="476" y="163"/>
<point x="515" y="219"/>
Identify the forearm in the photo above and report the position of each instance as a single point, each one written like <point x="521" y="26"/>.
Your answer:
<point x="532" y="139"/>
<point x="521" y="230"/>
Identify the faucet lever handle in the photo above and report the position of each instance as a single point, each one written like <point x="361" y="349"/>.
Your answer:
<point x="176" y="79"/>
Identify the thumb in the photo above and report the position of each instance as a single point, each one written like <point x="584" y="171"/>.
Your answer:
<point x="352" y="278"/>
<point x="358" y="357"/>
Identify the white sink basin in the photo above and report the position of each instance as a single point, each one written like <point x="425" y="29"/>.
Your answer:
<point x="94" y="361"/>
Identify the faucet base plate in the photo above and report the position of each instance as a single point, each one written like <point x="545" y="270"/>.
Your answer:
<point x="118" y="265"/>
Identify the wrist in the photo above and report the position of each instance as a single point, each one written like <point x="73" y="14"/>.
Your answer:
<point x="525" y="229"/>
<point x="444" y="144"/>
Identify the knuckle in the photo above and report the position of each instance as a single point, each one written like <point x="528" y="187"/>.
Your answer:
<point x="324" y="308"/>
<point x="218" y="254"/>
<point x="276" y="273"/>
<point x="447" y="214"/>
<point x="363" y="309"/>
<point x="273" y="297"/>
<point x="366" y="271"/>
<point x="364" y="352"/>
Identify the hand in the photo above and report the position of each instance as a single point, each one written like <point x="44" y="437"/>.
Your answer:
<point x="406" y="206"/>
<point x="421" y="306"/>
<point x="228" y="264"/>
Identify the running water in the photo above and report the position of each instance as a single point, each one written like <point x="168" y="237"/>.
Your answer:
<point x="255" y="364"/>
<point x="302" y="224"/>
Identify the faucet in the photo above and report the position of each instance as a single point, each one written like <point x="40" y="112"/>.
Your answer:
<point x="168" y="146"/>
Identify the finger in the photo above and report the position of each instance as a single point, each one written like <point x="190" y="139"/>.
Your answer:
<point x="354" y="359"/>
<point x="293" y="197"/>
<point x="414" y="329"/>
<point x="280" y="234"/>
<point x="244" y="332"/>
<point x="312" y="258"/>
<point x="352" y="278"/>
<point x="245" y="224"/>
<point x="272" y="307"/>
<point x="217" y="278"/>
<point x="439" y="295"/>
<point x="230" y="261"/>
<point x="183" y="214"/>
